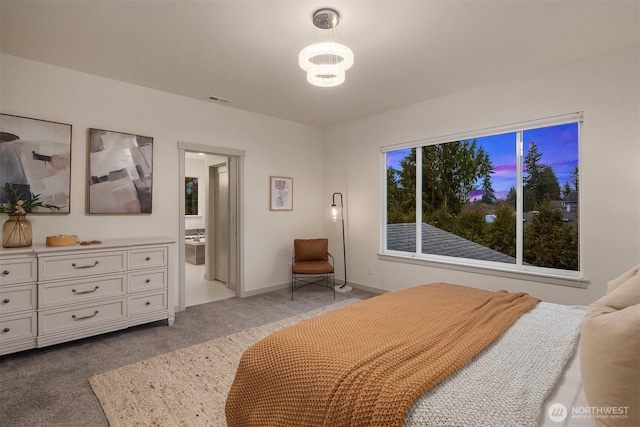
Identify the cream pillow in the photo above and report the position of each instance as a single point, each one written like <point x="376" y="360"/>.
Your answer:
<point x="610" y="352"/>
<point x="620" y="280"/>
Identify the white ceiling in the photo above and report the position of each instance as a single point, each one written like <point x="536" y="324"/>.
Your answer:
<point x="247" y="51"/>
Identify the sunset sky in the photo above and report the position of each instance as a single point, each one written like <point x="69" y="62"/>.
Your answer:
<point x="558" y="145"/>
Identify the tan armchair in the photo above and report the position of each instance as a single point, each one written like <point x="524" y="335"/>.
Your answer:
<point x="312" y="264"/>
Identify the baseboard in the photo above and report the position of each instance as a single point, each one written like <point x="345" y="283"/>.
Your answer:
<point x="287" y="285"/>
<point x="366" y="288"/>
<point x="266" y="289"/>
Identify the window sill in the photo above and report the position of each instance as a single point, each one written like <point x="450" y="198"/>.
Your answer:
<point x="575" y="282"/>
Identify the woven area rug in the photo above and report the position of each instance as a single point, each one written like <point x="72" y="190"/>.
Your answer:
<point x="187" y="387"/>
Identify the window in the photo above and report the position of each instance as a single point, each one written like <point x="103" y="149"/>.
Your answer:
<point x="505" y="199"/>
<point x="191" y="196"/>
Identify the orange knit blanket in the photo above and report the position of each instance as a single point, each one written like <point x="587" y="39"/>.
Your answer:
<point x="365" y="365"/>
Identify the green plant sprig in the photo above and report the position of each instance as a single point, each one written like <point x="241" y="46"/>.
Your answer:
<point x="17" y="204"/>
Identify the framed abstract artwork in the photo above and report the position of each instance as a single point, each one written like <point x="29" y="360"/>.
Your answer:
<point x="35" y="156"/>
<point x="281" y="193"/>
<point x="120" y="173"/>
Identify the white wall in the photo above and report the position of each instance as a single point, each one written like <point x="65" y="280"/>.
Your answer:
<point x="273" y="147"/>
<point x="606" y="88"/>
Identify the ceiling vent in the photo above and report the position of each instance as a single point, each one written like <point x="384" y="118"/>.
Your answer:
<point x="219" y="99"/>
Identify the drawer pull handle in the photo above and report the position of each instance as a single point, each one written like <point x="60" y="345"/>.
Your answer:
<point x="74" y="265"/>
<point x="5" y="330"/>
<point x="5" y="273"/>
<point x="85" y="292"/>
<point x="147" y="281"/>
<point x="85" y="317"/>
<point x="147" y="303"/>
<point x="5" y="301"/>
<point x="148" y="258"/>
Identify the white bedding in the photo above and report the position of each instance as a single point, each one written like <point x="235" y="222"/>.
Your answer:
<point x="508" y="383"/>
<point x="570" y="394"/>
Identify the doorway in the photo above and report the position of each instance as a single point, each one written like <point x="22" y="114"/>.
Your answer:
<point x="215" y="229"/>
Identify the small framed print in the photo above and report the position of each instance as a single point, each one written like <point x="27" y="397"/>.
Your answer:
<point x="281" y="193"/>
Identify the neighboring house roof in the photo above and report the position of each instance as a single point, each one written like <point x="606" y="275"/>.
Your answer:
<point x="571" y="217"/>
<point x="401" y="237"/>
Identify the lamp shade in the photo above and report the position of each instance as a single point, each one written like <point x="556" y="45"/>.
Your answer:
<point x="334" y="213"/>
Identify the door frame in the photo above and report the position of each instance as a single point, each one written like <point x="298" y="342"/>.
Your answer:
<point x="237" y="158"/>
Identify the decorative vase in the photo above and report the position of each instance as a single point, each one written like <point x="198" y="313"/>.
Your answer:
<point x="16" y="231"/>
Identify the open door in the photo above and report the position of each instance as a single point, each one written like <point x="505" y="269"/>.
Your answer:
<point x="230" y="260"/>
<point x="219" y="222"/>
<point x="223" y="205"/>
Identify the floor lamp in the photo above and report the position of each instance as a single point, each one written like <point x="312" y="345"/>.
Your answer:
<point x="344" y="288"/>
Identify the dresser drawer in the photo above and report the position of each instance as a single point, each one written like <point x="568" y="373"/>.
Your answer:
<point x="148" y="257"/>
<point x="18" y="326"/>
<point x="80" y="317"/>
<point x="54" y="294"/>
<point x="18" y="270"/>
<point x="81" y="265"/>
<point x="146" y="280"/>
<point x="141" y="304"/>
<point x="17" y="298"/>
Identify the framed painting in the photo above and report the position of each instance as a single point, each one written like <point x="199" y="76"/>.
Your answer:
<point x="281" y="194"/>
<point x="120" y="173"/>
<point x="35" y="156"/>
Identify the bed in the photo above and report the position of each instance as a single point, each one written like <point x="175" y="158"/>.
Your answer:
<point x="436" y="355"/>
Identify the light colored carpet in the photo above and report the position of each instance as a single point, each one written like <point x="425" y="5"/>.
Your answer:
<point x="187" y="387"/>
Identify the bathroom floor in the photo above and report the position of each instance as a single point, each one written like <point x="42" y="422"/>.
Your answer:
<point x="200" y="291"/>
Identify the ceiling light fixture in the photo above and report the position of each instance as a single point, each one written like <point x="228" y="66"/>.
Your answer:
<point x="326" y="62"/>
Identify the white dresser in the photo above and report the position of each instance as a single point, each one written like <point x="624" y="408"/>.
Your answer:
<point x="83" y="290"/>
<point x="18" y="300"/>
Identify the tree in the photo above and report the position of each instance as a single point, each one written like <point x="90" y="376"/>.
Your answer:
<point x="488" y="194"/>
<point x="548" y="185"/>
<point x="512" y="197"/>
<point x="450" y="172"/>
<point x="541" y="182"/>
<point x="532" y="166"/>
<point x="471" y="224"/>
<point x="405" y="183"/>
<point x="502" y="235"/>
<point x="550" y="242"/>
<point x="486" y="169"/>
<point x="566" y="190"/>
<point x="392" y="195"/>
<point x="574" y="176"/>
<point x="532" y="179"/>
